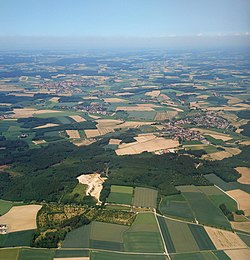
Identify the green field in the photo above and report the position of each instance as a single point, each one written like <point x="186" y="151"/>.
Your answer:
<point x="219" y="182"/>
<point x="78" y="238"/>
<point x="195" y="256"/>
<point x="61" y="253"/>
<point x="145" y="197"/>
<point x="36" y="254"/>
<point x="245" y="238"/>
<point x="21" y="238"/>
<point x="218" y="197"/>
<point x="77" y="195"/>
<point x="109" y="232"/>
<point x="106" y="245"/>
<point x="206" y="210"/>
<point x="201" y="237"/>
<point x="181" y="236"/>
<point x="122" y="189"/>
<point x="148" y="242"/>
<point x="9" y="254"/>
<point x="143" y="235"/>
<point x="120" y="195"/>
<point x="114" y="256"/>
<point x="5" y="206"/>
<point x="177" y="206"/>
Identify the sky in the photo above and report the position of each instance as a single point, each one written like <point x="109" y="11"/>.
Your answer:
<point x="123" y="22"/>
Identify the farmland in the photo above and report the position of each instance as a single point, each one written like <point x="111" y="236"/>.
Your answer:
<point x="132" y="155"/>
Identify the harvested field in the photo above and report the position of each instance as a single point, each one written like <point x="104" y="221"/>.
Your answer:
<point x="124" y="94"/>
<point x="135" y="108"/>
<point x="229" y="152"/>
<point x="145" y="197"/>
<point x="29" y="112"/>
<point x="115" y="100"/>
<point x="115" y="141"/>
<point x="39" y="142"/>
<point x="46" y="126"/>
<point x="78" y="119"/>
<point x="73" y="134"/>
<point x="242" y="198"/>
<point x="161" y="116"/>
<point x="94" y="182"/>
<point x="226" y="108"/>
<point x="85" y="142"/>
<point x="108" y="122"/>
<point x="158" y="143"/>
<point x="245" y="175"/>
<point x="21" y="218"/>
<point x="94" y="117"/>
<point x="241" y="226"/>
<point x="91" y="133"/>
<point x="245" y="143"/>
<point x="105" y="130"/>
<point x="73" y="258"/>
<point x="153" y="94"/>
<point x="233" y="100"/>
<point x="223" y="239"/>
<point x="242" y="254"/>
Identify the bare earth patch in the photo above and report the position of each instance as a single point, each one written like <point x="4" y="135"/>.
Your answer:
<point x="245" y="175"/>
<point x="94" y="182"/>
<point x="242" y="198"/>
<point x="73" y="134"/>
<point x="223" y="239"/>
<point x="78" y="119"/>
<point x="21" y="218"/>
<point x="242" y="254"/>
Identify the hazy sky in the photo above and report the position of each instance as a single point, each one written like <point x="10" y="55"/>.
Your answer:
<point x="71" y="20"/>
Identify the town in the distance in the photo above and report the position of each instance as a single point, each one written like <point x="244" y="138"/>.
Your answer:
<point x="128" y="154"/>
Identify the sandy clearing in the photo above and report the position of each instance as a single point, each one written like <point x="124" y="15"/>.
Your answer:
<point x="21" y="218"/>
<point x="242" y="198"/>
<point x="115" y="100"/>
<point x="94" y="182"/>
<point x="135" y="108"/>
<point x="152" y="145"/>
<point x="242" y="254"/>
<point x="46" y="125"/>
<point x="39" y="142"/>
<point x="54" y="99"/>
<point x="221" y="137"/>
<point x="73" y="134"/>
<point x="153" y="94"/>
<point x="223" y="239"/>
<point x="78" y="119"/>
<point x="245" y="175"/>
<point x="242" y="226"/>
<point x="115" y="141"/>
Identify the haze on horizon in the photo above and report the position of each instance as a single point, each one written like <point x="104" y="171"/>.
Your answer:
<point x="64" y="24"/>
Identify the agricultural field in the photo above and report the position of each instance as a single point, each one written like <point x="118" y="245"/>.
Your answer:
<point x="20" y="218"/>
<point x="120" y="195"/>
<point x="145" y="197"/>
